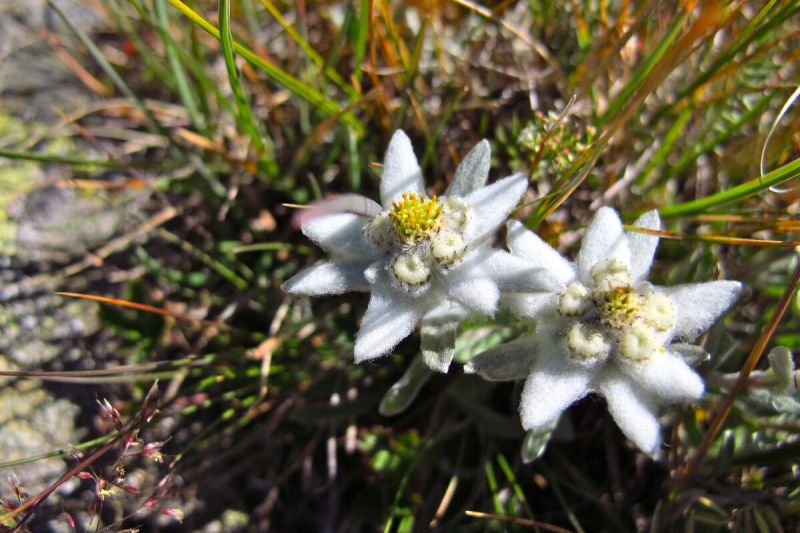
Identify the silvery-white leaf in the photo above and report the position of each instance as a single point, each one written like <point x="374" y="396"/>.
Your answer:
<point x="604" y="239"/>
<point x="785" y="403"/>
<point x="472" y="172"/>
<point x="535" y="442"/>
<point x="780" y="360"/>
<point x="691" y="353"/>
<point x="642" y="245"/>
<point x="767" y="403"/>
<point x="438" y="341"/>
<point x="402" y="393"/>
<point x="508" y="362"/>
<point x="476" y="340"/>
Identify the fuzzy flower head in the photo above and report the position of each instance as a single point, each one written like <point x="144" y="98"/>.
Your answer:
<point x="422" y="236"/>
<point x="605" y="329"/>
<point x="424" y="259"/>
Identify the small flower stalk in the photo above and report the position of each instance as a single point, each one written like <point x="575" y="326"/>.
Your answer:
<point x="605" y="329"/>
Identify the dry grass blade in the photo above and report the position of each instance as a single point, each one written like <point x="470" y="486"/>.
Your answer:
<point x="524" y="522"/>
<point x="81" y="73"/>
<point x="141" y="307"/>
<point x="722" y="239"/>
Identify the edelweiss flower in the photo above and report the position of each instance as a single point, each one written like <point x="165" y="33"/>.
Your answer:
<point x="605" y="329"/>
<point x="424" y="259"/>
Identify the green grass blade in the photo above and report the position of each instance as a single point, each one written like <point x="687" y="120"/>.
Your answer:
<point x="689" y="159"/>
<point x="307" y="48"/>
<point x="361" y="38"/>
<point x="518" y="491"/>
<point x="153" y="65"/>
<point x="298" y="87"/>
<point x="251" y="17"/>
<point x="743" y="38"/>
<point x="192" y="58"/>
<point x="57" y="159"/>
<point x="775" y="178"/>
<point x="644" y="70"/>
<point x="110" y="71"/>
<point x="178" y="73"/>
<point x="244" y="114"/>
<point x="491" y="481"/>
<point x="60" y="452"/>
<point x="665" y="148"/>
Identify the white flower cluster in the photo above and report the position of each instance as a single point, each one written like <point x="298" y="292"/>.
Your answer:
<point x="427" y="261"/>
<point x="604" y="329"/>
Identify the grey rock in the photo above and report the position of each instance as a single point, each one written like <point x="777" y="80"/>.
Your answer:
<point x="32" y="422"/>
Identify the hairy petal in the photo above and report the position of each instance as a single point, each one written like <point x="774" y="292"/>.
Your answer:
<point x="343" y="203"/>
<point x="492" y="204"/>
<point x="472" y="172"/>
<point x="554" y="384"/>
<point x="516" y="274"/>
<point x="643" y="246"/>
<point x="603" y="240"/>
<point x="340" y="233"/>
<point x="334" y="277"/>
<point x="698" y="305"/>
<point x="479" y="294"/>
<point x="526" y="244"/>
<point x="529" y="304"/>
<point x="666" y="376"/>
<point x="389" y="319"/>
<point x="632" y="410"/>
<point x="401" y="172"/>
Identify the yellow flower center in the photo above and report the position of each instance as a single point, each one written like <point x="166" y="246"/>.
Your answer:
<point x="415" y="217"/>
<point x="619" y="307"/>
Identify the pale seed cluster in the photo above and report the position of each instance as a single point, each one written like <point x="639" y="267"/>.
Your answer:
<point x="421" y="235"/>
<point x="614" y="314"/>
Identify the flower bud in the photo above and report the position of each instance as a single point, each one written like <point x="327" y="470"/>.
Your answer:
<point x="586" y="343"/>
<point x="411" y="269"/>
<point x="574" y="301"/>
<point x="447" y="247"/>
<point x="638" y="343"/>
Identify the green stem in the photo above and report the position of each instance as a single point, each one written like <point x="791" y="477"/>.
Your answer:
<point x="57" y="159"/>
<point x="772" y="179"/>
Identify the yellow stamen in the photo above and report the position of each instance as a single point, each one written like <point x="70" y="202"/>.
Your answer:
<point x="415" y="217"/>
<point x="619" y="307"/>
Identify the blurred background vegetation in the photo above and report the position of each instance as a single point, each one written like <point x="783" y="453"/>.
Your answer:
<point x="148" y="149"/>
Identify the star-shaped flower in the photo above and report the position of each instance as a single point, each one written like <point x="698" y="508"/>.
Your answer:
<point x="604" y="329"/>
<point x="424" y="259"/>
